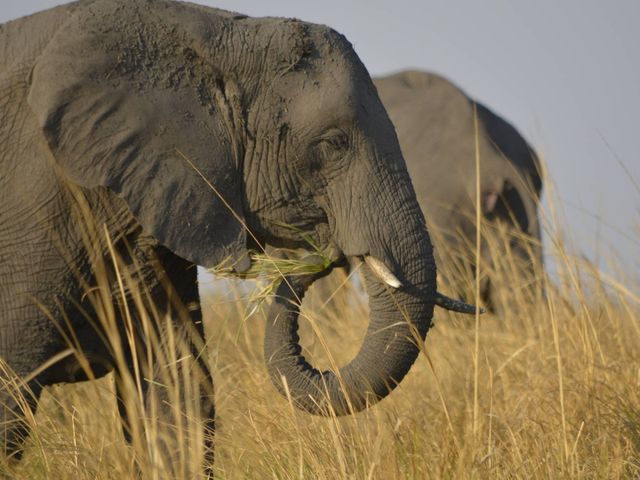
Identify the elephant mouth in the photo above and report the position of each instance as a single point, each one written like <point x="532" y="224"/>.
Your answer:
<point x="289" y="227"/>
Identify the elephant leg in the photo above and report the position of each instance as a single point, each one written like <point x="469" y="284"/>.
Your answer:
<point x="123" y="393"/>
<point x="205" y="390"/>
<point x="193" y="367"/>
<point x="177" y="386"/>
<point x="171" y="407"/>
<point x="15" y="407"/>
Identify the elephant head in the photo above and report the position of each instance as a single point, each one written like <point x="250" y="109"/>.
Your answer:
<point x="220" y="132"/>
<point x="434" y="120"/>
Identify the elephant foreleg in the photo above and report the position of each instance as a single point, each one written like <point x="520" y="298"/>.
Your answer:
<point x="16" y="405"/>
<point x="177" y="410"/>
<point x="177" y="414"/>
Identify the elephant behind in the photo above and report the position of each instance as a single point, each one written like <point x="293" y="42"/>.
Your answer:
<point x="434" y="121"/>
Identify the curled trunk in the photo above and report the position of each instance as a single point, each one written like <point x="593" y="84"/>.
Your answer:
<point x="398" y="324"/>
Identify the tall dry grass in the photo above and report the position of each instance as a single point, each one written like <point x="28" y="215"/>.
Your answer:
<point x="549" y="387"/>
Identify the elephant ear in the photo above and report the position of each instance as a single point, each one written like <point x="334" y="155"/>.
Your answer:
<point x="126" y="105"/>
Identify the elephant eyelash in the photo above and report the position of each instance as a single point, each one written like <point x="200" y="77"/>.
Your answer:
<point x="330" y="149"/>
<point x="340" y="142"/>
<point x="335" y="141"/>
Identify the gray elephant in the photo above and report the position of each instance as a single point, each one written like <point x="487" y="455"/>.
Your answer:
<point x="192" y="135"/>
<point x="434" y="121"/>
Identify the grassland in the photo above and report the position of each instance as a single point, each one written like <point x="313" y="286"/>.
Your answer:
<point x="547" y="388"/>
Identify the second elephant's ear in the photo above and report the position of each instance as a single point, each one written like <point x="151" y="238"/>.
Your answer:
<point x="125" y="106"/>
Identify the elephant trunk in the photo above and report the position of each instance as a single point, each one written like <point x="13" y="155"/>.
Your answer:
<point x="400" y="319"/>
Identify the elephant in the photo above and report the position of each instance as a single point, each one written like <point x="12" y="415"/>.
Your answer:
<point x="188" y="136"/>
<point x="434" y="121"/>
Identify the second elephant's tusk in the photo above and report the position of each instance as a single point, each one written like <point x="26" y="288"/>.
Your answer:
<point x="382" y="272"/>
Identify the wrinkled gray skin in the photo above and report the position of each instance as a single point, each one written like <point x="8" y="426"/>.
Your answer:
<point x="281" y="116"/>
<point x="434" y="121"/>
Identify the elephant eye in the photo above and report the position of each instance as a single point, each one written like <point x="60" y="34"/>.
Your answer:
<point x="328" y="151"/>
<point x="336" y="141"/>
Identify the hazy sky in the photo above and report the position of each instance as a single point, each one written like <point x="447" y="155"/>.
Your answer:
<point x="565" y="73"/>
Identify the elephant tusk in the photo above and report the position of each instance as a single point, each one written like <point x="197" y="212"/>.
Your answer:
<point x="382" y="272"/>
<point x="456" y="305"/>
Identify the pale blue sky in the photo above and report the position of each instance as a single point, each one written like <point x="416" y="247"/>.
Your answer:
<point x="565" y="72"/>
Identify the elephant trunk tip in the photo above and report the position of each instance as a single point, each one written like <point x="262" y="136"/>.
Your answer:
<point x="456" y="305"/>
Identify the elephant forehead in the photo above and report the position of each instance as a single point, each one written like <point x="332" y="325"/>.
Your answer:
<point x="344" y="99"/>
<point x="320" y="96"/>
